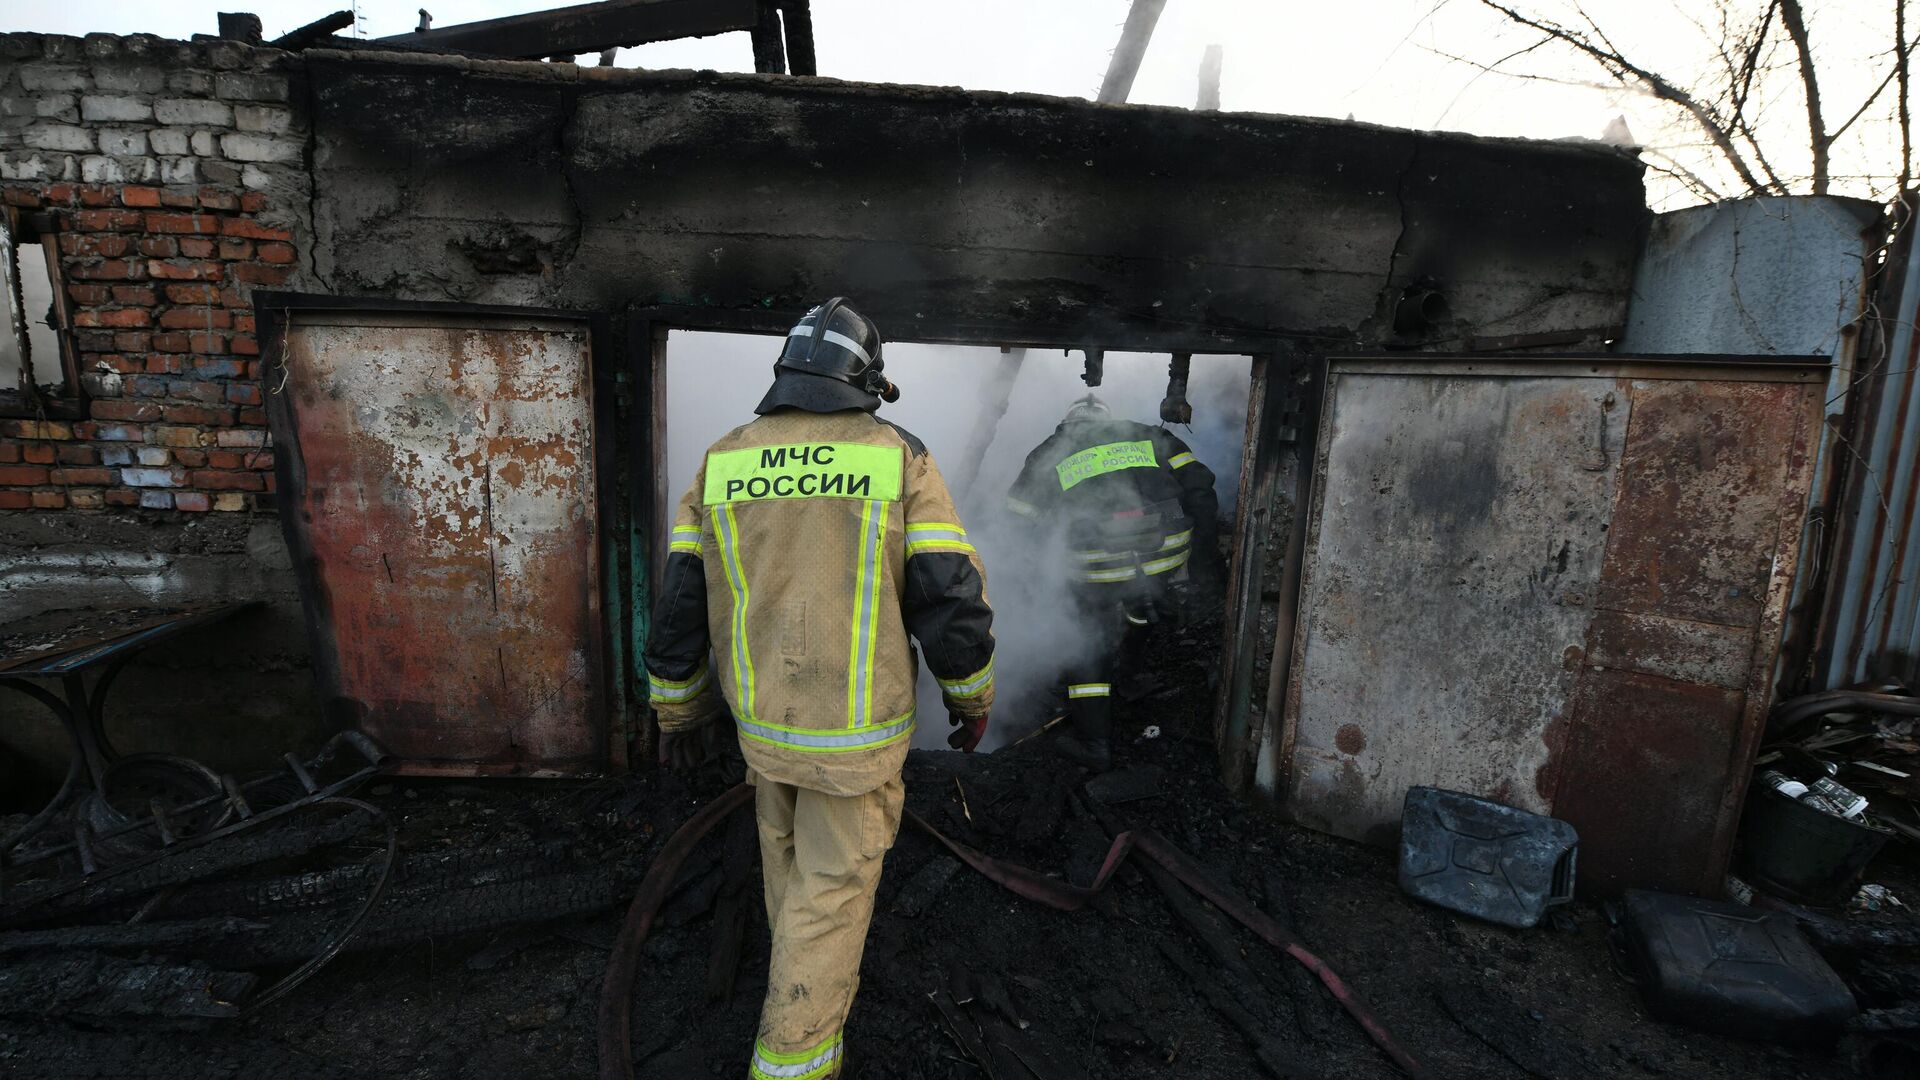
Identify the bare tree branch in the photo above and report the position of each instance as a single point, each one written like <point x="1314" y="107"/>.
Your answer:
<point x="1487" y="69"/>
<point x="1740" y="85"/>
<point x="1685" y="175"/>
<point x="1792" y="18"/>
<point x="1751" y="63"/>
<point x="1903" y="106"/>
<point x="1834" y="135"/>
<point x="1622" y="69"/>
<point x="1595" y="27"/>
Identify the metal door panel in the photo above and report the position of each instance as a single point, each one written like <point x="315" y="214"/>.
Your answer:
<point x="1460" y="530"/>
<point x="1558" y="583"/>
<point x="442" y="500"/>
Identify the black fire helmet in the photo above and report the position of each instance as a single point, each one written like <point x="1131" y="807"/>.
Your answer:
<point x="831" y="362"/>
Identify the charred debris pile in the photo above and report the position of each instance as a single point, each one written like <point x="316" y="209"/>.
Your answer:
<point x="351" y="925"/>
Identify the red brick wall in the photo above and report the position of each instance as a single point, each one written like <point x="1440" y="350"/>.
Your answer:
<point x="157" y="283"/>
<point x="174" y="175"/>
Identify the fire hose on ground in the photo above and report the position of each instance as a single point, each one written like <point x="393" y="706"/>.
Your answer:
<point x="616" y="1000"/>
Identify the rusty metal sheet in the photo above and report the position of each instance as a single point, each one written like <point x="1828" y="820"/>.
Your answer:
<point x="1548" y="583"/>
<point x="1677" y="649"/>
<point x="1698" y="520"/>
<point x="1646" y="761"/>
<point x="439" y="495"/>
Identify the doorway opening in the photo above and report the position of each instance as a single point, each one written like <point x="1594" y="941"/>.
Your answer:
<point x="980" y="410"/>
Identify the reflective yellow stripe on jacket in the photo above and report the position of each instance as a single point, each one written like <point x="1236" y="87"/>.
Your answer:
<point x="866" y="614"/>
<point x="659" y="689"/>
<point x="826" y="740"/>
<point x="1172" y="554"/>
<point x="727" y="529"/>
<point x="1151" y="568"/>
<point x="925" y="536"/>
<point x="972" y="686"/>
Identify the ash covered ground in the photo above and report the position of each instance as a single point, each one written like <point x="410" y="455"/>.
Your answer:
<point x="1128" y="989"/>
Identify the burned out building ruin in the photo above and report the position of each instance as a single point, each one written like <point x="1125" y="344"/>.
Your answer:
<point x="247" y="248"/>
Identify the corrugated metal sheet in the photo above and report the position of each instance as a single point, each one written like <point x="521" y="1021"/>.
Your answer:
<point x="1558" y="584"/>
<point x="1871" y="628"/>
<point x="440" y="501"/>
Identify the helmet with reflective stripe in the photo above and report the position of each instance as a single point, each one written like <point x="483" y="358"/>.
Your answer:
<point x="837" y="342"/>
<point x="1087" y="410"/>
<point x="831" y="361"/>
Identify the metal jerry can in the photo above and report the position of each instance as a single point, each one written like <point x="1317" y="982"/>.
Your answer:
<point x="1483" y="859"/>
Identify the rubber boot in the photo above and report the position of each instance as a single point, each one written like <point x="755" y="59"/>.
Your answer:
<point x="1087" y="744"/>
<point x="1094" y="755"/>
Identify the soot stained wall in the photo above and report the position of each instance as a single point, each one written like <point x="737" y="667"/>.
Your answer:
<point x="950" y="215"/>
<point x="947" y="213"/>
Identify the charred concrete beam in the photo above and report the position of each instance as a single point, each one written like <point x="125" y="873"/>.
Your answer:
<point x="586" y="28"/>
<point x="955" y="215"/>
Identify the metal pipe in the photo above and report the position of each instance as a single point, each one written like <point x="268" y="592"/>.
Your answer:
<point x="1096" y="370"/>
<point x="1419" y="310"/>
<point x="1789" y="715"/>
<point x="1175" y="408"/>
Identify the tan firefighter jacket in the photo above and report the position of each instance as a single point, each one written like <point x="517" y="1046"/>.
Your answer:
<point x="808" y="548"/>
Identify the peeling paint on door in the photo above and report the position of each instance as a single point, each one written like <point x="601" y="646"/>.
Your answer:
<point x="443" y="499"/>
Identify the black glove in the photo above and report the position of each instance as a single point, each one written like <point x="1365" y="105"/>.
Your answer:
<point x="967" y="731"/>
<point x="684" y="751"/>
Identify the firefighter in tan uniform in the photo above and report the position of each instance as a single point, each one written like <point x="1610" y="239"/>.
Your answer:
<point x="812" y="543"/>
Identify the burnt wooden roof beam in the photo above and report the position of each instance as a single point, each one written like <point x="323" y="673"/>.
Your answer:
<point x="586" y="28"/>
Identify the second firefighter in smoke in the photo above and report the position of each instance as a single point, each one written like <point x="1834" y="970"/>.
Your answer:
<point x="1139" y="519"/>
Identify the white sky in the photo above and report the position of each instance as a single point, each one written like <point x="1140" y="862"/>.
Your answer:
<point x="1376" y="60"/>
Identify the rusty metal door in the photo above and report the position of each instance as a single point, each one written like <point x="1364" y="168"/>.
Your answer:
<point x="439" y="494"/>
<point x="1557" y="584"/>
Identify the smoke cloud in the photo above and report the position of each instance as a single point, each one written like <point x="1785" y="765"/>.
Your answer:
<point x="948" y="395"/>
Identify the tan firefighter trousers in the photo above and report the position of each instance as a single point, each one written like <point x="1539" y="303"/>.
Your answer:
<point x="820" y="857"/>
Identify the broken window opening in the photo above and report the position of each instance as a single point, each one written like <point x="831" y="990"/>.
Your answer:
<point x="980" y="410"/>
<point x="37" y="375"/>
